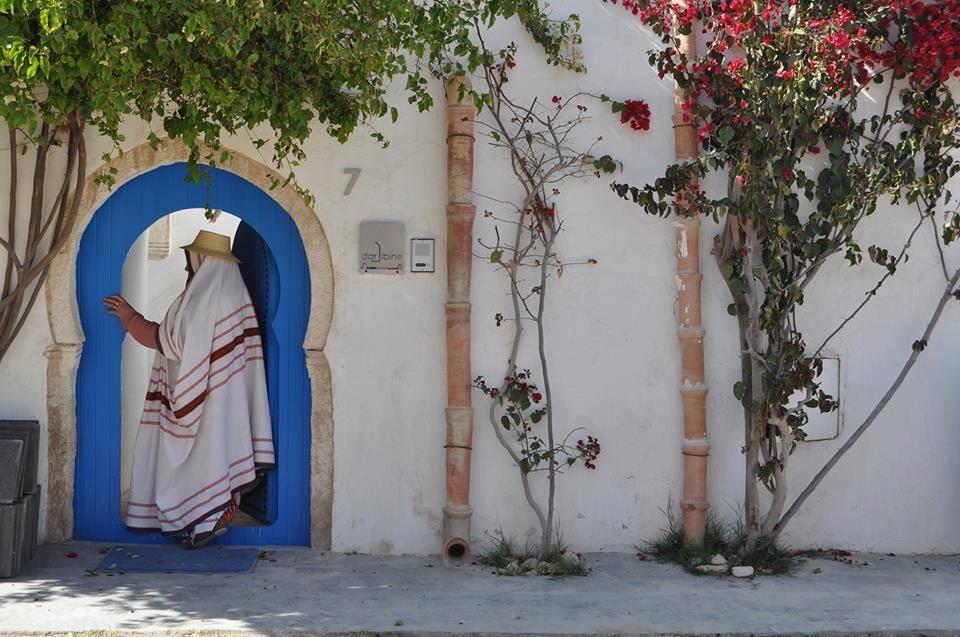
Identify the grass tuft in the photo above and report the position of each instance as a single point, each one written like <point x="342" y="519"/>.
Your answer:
<point x="501" y="550"/>
<point x="766" y="555"/>
<point x="508" y="558"/>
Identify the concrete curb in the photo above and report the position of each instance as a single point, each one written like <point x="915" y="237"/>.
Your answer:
<point x="218" y="633"/>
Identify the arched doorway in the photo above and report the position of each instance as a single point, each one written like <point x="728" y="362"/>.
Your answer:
<point x="114" y="227"/>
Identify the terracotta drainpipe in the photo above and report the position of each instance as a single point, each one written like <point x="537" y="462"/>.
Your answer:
<point x="693" y="389"/>
<point x="459" y="412"/>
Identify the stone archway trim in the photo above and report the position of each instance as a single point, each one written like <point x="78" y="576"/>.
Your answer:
<point x="63" y="356"/>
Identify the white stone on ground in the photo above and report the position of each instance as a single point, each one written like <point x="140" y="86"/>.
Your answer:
<point x="570" y="559"/>
<point x="529" y="564"/>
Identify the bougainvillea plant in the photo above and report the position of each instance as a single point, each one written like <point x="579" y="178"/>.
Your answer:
<point x="524" y="408"/>
<point x="813" y="112"/>
<point x="537" y="137"/>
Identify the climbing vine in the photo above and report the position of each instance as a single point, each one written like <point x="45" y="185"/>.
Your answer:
<point x="813" y="113"/>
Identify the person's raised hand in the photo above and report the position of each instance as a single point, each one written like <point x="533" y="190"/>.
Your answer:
<point x="118" y="306"/>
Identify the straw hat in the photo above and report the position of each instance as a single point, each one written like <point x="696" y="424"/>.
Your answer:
<point x="213" y="245"/>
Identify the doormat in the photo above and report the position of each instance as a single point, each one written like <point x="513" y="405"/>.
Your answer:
<point x="174" y="558"/>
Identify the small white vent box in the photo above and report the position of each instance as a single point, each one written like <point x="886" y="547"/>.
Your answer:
<point x="422" y="255"/>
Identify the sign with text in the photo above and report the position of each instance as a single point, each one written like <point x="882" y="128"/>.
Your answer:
<point x="382" y="247"/>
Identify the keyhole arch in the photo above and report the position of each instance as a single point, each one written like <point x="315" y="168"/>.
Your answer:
<point x="67" y="331"/>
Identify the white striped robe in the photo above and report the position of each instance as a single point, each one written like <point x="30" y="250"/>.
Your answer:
<point x="205" y="428"/>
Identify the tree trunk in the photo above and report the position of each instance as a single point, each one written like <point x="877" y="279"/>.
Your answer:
<point x="48" y="227"/>
<point x="754" y="345"/>
<point x="751" y="445"/>
<point x="772" y="516"/>
<point x="511" y="370"/>
<point x="547" y="540"/>
<point x="731" y="249"/>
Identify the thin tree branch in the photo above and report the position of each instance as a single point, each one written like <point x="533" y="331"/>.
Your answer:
<point x="873" y="291"/>
<point x="877" y="410"/>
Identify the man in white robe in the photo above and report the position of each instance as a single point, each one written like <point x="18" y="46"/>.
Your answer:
<point x="205" y="436"/>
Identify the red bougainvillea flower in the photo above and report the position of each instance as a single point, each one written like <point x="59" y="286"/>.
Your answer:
<point x="704" y="132"/>
<point x="589" y="450"/>
<point x="636" y="113"/>
<point x="737" y="65"/>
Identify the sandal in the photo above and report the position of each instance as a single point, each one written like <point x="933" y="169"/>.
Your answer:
<point x="221" y="527"/>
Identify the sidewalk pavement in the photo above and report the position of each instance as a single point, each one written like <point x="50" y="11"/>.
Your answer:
<point x="310" y="592"/>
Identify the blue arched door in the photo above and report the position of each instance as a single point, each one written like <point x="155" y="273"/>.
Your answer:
<point x="115" y="226"/>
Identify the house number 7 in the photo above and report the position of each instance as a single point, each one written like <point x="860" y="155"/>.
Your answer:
<point x="354" y="176"/>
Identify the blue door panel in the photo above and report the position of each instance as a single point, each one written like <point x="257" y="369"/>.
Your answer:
<point x="259" y="270"/>
<point x="115" y="226"/>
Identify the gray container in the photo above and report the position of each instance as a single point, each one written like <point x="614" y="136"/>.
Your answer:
<point x="12" y="469"/>
<point x="29" y="432"/>
<point x="12" y="521"/>
<point x="19" y="519"/>
<point x="34" y="521"/>
<point x="29" y="526"/>
<point x="19" y="523"/>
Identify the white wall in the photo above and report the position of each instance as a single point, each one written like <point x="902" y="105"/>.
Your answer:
<point x="613" y="344"/>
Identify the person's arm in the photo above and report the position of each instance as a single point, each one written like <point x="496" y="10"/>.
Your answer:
<point x="143" y="331"/>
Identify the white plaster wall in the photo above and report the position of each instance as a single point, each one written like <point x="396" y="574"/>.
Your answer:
<point x="613" y="346"/>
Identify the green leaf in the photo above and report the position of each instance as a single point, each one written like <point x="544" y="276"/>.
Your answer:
<point x="605" y="164"/>
<point x="739" y="390"/>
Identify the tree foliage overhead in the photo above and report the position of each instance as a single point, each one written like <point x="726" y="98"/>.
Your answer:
<point x="199" y="69"/>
